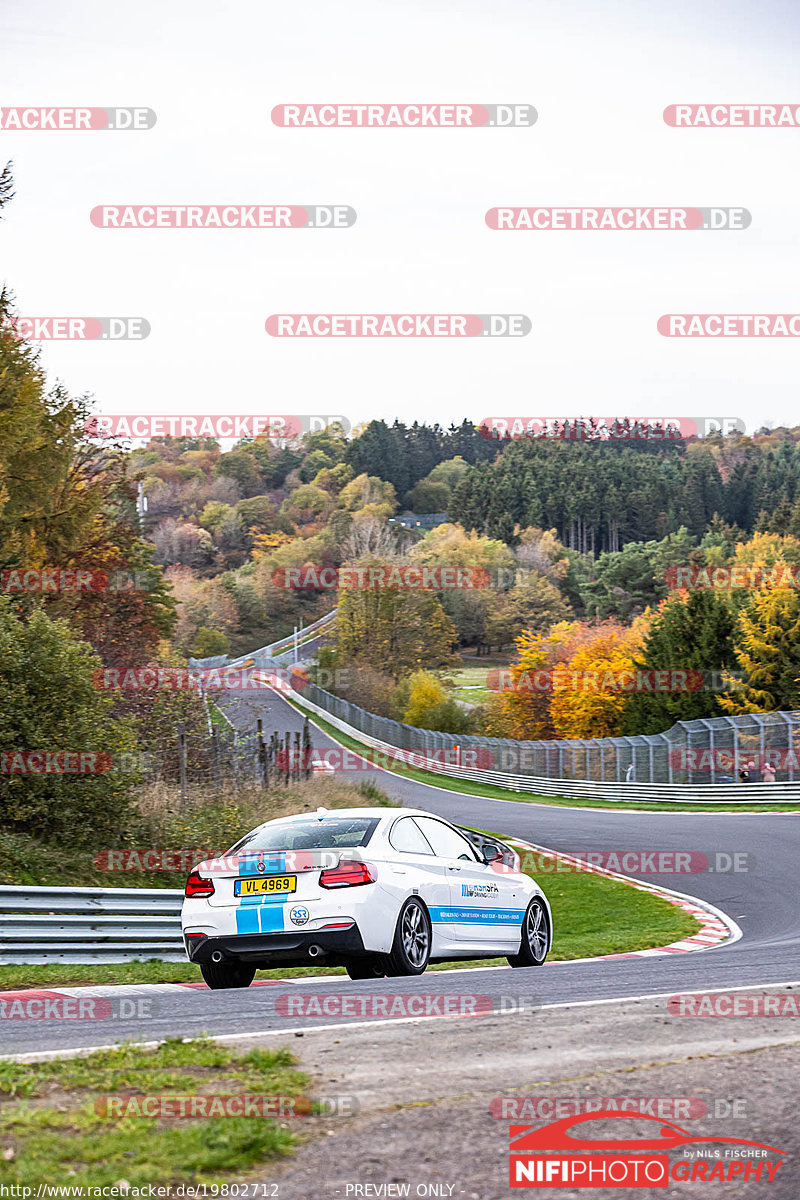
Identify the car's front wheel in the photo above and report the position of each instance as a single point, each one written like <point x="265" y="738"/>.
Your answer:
<point x="227" y="974"/>
<point x="366" y="968"/>
<point x="411" y="947"/>
<point x="535" y="937"/>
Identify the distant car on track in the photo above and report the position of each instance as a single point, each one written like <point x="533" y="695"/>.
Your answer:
<point x="378" y="891"/>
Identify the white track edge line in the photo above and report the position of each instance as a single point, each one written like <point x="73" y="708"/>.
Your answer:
<point x="75" y="1052"/>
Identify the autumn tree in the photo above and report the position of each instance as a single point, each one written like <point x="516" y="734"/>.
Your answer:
<point x="590" y="690"/>
<point x="767" y="649"/>
<point x="400" y="630"/>
<point x="50" y="703"/>
<point x="430" y="707"/>
<point x="525" y="707"/>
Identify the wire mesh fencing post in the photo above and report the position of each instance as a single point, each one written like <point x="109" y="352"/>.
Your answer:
<point x="296" y="759"/>
<point x="306" y="749"/>
<point x="182" y="773"/>
<point x="261" y="757"/>
<point x="215" y="758"/>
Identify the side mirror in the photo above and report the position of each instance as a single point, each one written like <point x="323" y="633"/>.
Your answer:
<point x="491" y="853"/>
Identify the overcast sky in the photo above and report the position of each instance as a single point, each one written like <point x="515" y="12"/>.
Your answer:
<point x="599" y="74"/>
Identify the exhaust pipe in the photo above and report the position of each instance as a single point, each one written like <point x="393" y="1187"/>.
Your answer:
<point x="216" y="956"/>
<point x="314" y="951"/>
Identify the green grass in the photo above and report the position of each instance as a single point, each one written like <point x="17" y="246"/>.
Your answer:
<point x="218" y="717"/>
<point x="471" y="788"/>
<point x="469" y="683"/>
<point x="95" y="974"/>
<point x="51" y="1131"/>
<point x="211" y="821"/>
<point x="27" y="860"/>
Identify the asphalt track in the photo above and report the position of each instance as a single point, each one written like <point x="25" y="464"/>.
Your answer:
<point x="760" y="900"/>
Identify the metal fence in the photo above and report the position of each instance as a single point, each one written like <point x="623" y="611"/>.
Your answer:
<point x="703" y="752"/>
<point x="89" y="924"/>
<point x="711" y="751"/>
<point x="457" y="762"/>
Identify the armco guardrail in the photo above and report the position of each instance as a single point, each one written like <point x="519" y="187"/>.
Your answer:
<point x="643" y="793"/>
<point x="99" y="925"/>
<point x="701" y="752"/>
<point x="275" y="651"/>
<point x="89" y="924"/>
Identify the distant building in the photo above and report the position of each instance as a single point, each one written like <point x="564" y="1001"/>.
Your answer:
<point x="412" y="520"/>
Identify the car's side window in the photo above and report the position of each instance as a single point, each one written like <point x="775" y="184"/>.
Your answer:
<point x="406" y="837"/>
<point x="445" y="841"/>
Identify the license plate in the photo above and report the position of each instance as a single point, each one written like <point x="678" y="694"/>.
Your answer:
<point x="268" y="884"/>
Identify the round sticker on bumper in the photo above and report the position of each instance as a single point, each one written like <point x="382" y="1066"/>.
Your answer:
<point x="299" y="915"/>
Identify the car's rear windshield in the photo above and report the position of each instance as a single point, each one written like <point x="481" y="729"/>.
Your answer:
<point x="330" y="833"/>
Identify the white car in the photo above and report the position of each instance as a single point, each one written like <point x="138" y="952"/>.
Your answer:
<point x="378" y="891"/>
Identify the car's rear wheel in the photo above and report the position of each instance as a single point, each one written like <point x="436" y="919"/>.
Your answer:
<point x="411" y="947"/>
<point x="366" y="968"/>
<point x="227" y="974"/>
<point x="535" y="937"/>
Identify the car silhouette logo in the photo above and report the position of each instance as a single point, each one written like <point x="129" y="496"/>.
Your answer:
<point x="556" y="1136"/>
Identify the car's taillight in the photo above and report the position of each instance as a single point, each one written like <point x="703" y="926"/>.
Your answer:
<point x="196" y="885"/>
<point x="348" y="874"/>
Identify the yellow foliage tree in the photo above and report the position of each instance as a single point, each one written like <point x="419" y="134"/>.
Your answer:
<point x="590" y="692"/>
<point x="526" y="709"/>
<point x="566" y="683"/>
<point x="425" y="693"/>
<point x="265" y="543"/>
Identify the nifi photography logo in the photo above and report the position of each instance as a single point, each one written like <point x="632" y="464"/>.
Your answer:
<point x="560" y="1155"/>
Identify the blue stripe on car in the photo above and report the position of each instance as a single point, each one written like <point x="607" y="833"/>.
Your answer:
<point x="478" y="916"/>
<point x="274" y="862"/>
<point x="247" y="920"/>
<point x="258" y="918"/>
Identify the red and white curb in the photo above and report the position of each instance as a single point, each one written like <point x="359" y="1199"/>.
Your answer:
<point x="716" y="927"/>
